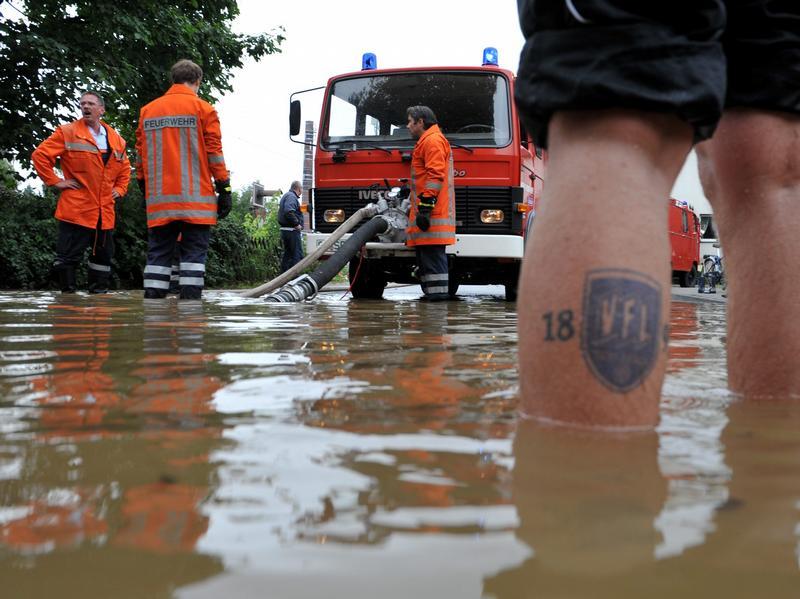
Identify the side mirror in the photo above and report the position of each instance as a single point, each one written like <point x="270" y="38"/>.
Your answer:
<point x="294" y="118"/>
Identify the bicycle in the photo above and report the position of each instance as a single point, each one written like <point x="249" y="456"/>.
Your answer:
<point x="713" y="274"/>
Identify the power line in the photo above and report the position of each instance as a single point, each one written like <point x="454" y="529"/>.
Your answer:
<point x="15" y="8"/>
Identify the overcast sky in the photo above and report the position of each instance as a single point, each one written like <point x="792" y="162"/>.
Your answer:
<point x="325" y="38"/>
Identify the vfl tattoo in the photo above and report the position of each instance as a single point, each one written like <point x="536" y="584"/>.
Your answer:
<point x="564" y="329"/>
<point x="621" y="332"/>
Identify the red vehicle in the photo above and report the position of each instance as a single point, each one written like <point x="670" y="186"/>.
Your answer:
<point x="684" y="239"/>
<point x="363" y="141"/>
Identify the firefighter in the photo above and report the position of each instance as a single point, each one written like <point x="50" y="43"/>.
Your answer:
<point x="290" y="219"/>
<point x="96" y="172"/>
<point x="179" y="148"/>
<point x="432" y="222"/>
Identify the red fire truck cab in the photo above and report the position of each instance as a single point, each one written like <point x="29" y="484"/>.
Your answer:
<point x="363" y="140"/>
<point x="684" y="240"/>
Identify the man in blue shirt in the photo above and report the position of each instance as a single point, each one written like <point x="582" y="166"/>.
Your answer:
<point x="290" y="218"/>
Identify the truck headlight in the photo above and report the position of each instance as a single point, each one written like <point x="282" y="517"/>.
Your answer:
<point x="492" y="216"/>
<point x="334" y="216"/>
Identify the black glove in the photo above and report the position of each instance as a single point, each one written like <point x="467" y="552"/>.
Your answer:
<point x="224" y="198"/>
<point x="425" y="206"/>
<point x="140" y="183"/>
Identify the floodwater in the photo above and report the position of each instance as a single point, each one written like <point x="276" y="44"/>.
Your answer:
<point x="363" y="449"/>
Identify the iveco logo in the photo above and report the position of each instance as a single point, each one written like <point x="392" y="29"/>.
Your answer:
<point x="459" y="173"/>
<point x="367" y="194"/>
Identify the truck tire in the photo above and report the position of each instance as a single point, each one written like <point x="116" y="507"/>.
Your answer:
<point x="452" y="285"/>
<point x="688" y="278"/>
<point x="511" y="292"/>
<point x="370" y="282"/>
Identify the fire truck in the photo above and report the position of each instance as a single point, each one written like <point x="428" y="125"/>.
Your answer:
<point x="684" y="241"/>
<point x="363" y="145"/>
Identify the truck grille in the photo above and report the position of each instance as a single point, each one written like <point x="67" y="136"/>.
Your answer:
<point x="469" y="203"/>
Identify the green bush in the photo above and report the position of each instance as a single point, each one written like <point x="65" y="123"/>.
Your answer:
<point x="244" y="250"/>
<point x="27" y="239"/>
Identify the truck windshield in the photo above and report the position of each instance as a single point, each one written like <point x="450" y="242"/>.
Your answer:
<point x="472" y="109"/>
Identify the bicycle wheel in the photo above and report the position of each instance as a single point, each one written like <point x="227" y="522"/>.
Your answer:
<point x="709" y="268"/>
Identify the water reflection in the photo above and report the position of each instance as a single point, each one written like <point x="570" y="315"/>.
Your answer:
<point x="112" y="468"/>
<point x="586" y="503"/>
<point x="401" y="454"/>
<point x="691" y="455"/>
<point x="357" y="449"/>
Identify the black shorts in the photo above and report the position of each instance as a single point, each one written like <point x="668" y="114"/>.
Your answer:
<point x="691" y="58"/>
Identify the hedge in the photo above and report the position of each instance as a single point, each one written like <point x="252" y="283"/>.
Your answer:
<point x="244" y="250"/>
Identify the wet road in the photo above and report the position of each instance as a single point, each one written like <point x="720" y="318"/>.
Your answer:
<point x="358" y="449"/>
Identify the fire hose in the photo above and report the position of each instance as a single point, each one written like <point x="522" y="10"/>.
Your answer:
<point x="307" y="286"/>
<point x="389" y="219"/>
<point x="289" y="275"/>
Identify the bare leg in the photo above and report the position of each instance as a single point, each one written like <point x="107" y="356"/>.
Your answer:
<point x="751" y="173"/>
<point x="594" y="295"/>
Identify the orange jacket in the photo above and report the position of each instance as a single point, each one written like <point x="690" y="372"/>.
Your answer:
<point x="432" y="174"/>
<point x="82" y="161"/>
<point x="179" y="148"/>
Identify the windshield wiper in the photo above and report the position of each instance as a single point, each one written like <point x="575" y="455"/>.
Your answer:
<point x="371" y="147"/>
<point x="352" y="146"/>
<point x="454" y="145"/>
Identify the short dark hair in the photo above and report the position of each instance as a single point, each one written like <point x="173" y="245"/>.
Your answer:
<point x="424" y="113"/>
<point x="185" y="71"/>
<point x="91" y="92"/>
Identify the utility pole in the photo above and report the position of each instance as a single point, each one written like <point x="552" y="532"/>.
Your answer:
<point x="308" y="172"/>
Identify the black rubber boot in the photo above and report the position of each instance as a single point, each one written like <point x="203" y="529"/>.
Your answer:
<point x="66" y="277"/>
<point x="191" y="292"/>
<point x="97" y="284"/>
<point x="151" y="293"/>
<point x="435" y="297"/>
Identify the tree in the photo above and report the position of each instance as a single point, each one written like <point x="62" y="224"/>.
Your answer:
<point x="51" y="50"/>
<point x="7" y="178"/>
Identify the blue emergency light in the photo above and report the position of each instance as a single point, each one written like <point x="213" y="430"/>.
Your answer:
<point x="369" y="62"/>
<point x="490" y="57"/>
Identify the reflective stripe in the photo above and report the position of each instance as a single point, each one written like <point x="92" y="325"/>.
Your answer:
<point x="574" y="12"/>
<point x="159" y="162"/>
<point x="100" y="267"/>
<point x="193" y="266"/>
<point x="197" y="281"/>
<point x="71" y="145"/>
<point x="440" y="222"/>
<point x="176" y="121"/>
<point x="155" y="284"/>
<point x="433" y="185"/>
<point x="179" y="214"/>
<point x="184" y="162"/>
<point x="216" y="159"/>
<point x="194" y="158"/>
<point x="152" y="269"/>
<point x="151" y="163"/>
<point x="119" y="155"/>
<point x="451" y="191"/>
<point x="434" y="277"/>
<point x="187" y="199"/>
<point x="443" y="289"/>
<point x="432" y="235"/>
